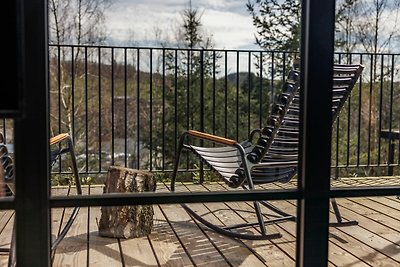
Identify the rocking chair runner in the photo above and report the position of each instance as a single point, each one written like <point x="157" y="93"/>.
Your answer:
<point x="60" y="144"/>
<point x="273" y="157"/>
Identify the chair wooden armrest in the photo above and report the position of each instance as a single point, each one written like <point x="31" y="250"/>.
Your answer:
<point x="58" y="138"/>
<point x="211" y="137"/>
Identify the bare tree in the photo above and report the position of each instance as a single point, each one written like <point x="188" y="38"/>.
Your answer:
<point x="72" y="22"/>
<point x="77" y="21"/>
<point x="370" y="25"/>
<point x="346" y="10"/>
<point x="377" y="29"/>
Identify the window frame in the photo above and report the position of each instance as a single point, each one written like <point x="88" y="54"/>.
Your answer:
<point x="33" y="203"/>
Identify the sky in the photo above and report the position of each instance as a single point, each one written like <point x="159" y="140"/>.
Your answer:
<point x="227" y="21"/>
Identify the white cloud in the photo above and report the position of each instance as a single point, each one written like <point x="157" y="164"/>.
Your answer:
<point x="219" y="4"/>
<point x="225" y="20"/>
<point x="230" y="30"/>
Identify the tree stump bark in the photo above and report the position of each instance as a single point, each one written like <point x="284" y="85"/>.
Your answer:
<point x="127" y="221"/>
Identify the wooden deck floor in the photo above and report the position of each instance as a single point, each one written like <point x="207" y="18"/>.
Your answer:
<point x="177" y="240"/>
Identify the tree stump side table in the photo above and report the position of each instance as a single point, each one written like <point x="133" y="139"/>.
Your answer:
<point x="127" y="221"/>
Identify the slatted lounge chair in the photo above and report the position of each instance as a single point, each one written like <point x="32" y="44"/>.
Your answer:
<point x="272" y="157"/>
<point x="60" y="144"/>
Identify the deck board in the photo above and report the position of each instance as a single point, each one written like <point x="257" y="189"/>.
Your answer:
<point x="178" y="240"/>
<point x="165" y="240"/>
<point x="275" y="252"/>
<point x="338" y="255"/>
<point x="227" y="252"/>
<point x="165" y="243"/>
<point x="103" y="251"/>
<point x="72" y="250"/>
<point x="6" y="227"/>
<point x="235" y="252"/>
<point x="137" y="252"/>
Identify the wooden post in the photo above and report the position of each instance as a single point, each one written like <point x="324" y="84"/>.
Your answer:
<point x="127" y="221"/>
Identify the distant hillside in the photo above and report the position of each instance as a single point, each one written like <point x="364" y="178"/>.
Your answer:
<point x="243" y="78"/>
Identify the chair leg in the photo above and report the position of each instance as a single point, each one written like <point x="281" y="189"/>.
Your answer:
<point x="282" y="216"/>
<point x="227" y="231"/>
<point x="259" y="214"/>
<point x="63" y="231"/>
<point x="260" y="218"/>
<point x="339" y="221"/>
<point x="176" y="163"/>
<point x="74" y="167"/>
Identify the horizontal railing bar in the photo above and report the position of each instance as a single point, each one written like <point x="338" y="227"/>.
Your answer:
<point x="365" y="191"/>
<point x="148" y="198"/>
<point x="196" y="197"/>
<point x="7" y="203"/>
<point x="170" y="48"/>
<point x="208" y="49"/>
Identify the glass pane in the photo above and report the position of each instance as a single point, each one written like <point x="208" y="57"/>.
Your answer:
<point x="365" y="140"/>
<point x="128" y="106"/>
<point x="7" y="188"/>
<point x="374" y="241"/>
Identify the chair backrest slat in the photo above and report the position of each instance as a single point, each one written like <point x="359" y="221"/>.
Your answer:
<point x="344" y="79"/>
<point x="280" y="136"/>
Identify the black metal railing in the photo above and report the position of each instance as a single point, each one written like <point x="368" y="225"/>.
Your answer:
<point x="128" y="105"/>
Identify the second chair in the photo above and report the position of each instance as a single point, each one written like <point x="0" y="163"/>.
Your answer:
<point x="269" y="155"/>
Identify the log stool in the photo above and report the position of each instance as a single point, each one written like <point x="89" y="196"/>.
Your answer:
<point x="127" y="221"/>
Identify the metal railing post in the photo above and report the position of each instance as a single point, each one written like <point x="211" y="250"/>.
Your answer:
<point x="391" y="157"/>
<point x="201" y="108"/>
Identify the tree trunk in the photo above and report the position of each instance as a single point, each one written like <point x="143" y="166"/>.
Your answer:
<point x="127" y="221"/>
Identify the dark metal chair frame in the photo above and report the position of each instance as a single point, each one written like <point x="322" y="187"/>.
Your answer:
<point x="60" y="144"/>
<point x="273" y="157"/>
